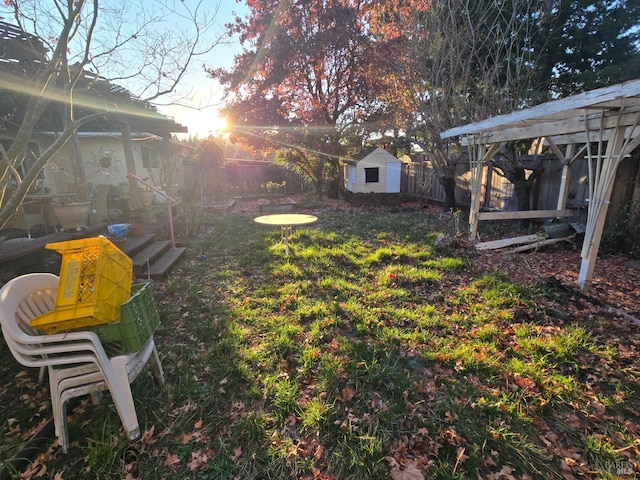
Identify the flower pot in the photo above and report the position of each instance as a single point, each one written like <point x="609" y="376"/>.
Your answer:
<point x="146" y="197"/>
<point x="73" y="216"/>
<point x="136" y="229"/>
<point x="122" y="190"/>
<point x="118" y="241"/>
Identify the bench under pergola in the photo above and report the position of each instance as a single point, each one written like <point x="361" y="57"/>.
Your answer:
<point x="601" y="125"/>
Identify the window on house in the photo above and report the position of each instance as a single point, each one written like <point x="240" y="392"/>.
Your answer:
<point x="149" y="157"/>
<point x="371" y="175"/>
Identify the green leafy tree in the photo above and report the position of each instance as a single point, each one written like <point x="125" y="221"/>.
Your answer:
<point x="459" y="62"/>
<point x="307" y="84"/>
<point x="587" y="44"/>
<point x="580" y="45"/>
<point x="454" y="63"/>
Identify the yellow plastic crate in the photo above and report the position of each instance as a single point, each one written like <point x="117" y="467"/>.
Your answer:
<point x="95" y="279"/>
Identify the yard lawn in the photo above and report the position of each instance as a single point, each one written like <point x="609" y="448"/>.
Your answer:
<point x="382" y="347"/>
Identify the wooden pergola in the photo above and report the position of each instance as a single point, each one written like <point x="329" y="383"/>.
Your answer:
<point x="601" y="126"/>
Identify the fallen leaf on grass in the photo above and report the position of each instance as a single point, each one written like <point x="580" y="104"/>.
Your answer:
<point x="237" y="454"/>
<point x="410" y="472"/>
<point x="198" y="460"/>
<point x="461" y="457"/>
<point x="147" y="436"/>
<point x="172" y="459"/>
<point x="347" y="394"/>
<point x="505" y="473"/>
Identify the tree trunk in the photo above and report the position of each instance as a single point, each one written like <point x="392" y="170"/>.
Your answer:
<point x="522" y="190"/>
<point x="634" y="210"/>
<point x="448" y="182"/>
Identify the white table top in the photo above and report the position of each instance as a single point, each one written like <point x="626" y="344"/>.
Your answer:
<point x="286" y="219"/>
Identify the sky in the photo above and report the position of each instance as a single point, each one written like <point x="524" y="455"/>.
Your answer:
<point x="202" y="94"/>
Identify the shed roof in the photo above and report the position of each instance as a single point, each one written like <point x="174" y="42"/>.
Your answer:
<point x="362" y="154"/>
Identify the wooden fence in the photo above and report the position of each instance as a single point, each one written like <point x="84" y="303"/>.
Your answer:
<point x="248" y="178"/>
<point x="419" y="179"/>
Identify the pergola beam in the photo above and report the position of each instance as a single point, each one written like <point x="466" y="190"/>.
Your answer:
<point x="554" y="111"/>
<point x="566" y="131"/>
<point x="525" y="214"/>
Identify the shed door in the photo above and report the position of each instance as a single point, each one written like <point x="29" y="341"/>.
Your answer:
<point x="351" y="178"/>
<point x="392" y="184"/>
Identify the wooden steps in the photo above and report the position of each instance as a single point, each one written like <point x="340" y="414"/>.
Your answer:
<point x="152" y="258"/>
<point x="160" y="267"/>
<point x="148" y="255"/>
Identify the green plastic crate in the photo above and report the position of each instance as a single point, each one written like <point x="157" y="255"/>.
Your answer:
<point x="139" y="319"/>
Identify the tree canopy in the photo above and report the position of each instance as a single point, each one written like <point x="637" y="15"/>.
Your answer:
<point x="318" y="78"/>
<point x="307" y="83"/>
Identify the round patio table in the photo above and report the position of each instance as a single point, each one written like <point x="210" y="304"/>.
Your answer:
<point x="285" y="221"/>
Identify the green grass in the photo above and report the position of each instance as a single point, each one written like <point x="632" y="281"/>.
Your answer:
<point x="367" y="347"/>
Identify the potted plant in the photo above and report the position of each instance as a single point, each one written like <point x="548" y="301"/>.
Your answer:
<point x="275" y="189"/>
<point x="146" y="196"/>
<point x="72" y="214"/>
<point x="172" y="190"/>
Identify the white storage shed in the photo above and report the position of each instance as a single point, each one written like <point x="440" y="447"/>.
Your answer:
<point x="373" y="170"/>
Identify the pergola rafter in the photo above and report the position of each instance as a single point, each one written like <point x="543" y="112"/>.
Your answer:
<point x="602" y="125"/>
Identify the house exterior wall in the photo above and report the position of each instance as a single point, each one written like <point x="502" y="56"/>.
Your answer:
<point x="93" y="149"/>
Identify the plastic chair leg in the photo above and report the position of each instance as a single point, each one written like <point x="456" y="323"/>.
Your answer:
<point x="156" y="367"/>
<point x="59" y="411"/>
<point x="123" y="398"/>
<point x="68" y="383"/>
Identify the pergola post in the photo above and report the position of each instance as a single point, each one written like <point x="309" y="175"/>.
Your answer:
<point x="563" y="192"/>
<point x="127" y="145"/>
<point x="479" y="154"/>
<point x="602" y="177"/>
<point x="566" y="122"/>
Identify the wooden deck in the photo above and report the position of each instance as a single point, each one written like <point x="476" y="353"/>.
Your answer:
<point x="23" y="255"/>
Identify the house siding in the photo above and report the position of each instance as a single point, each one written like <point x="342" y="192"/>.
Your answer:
<point x="59" y="176"/>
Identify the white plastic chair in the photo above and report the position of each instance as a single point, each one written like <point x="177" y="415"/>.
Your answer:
<point x="77" y="362"/>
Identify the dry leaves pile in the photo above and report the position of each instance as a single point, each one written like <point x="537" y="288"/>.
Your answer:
<point x="615" y="282"/>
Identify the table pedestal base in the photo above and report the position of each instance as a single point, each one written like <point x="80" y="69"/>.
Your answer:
<point x="286" y="230"/>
